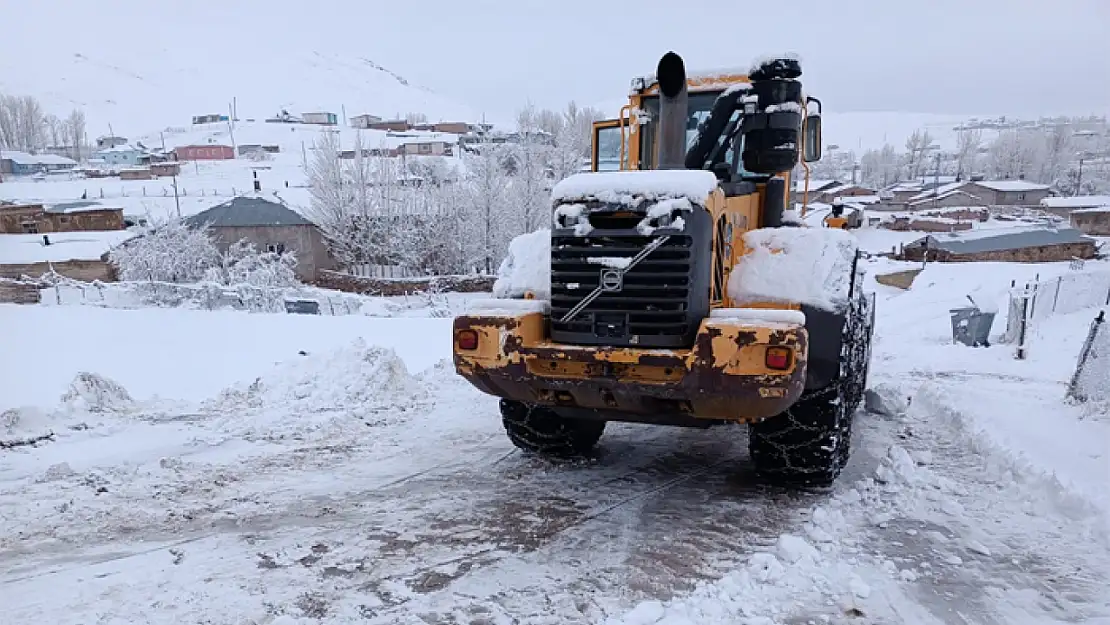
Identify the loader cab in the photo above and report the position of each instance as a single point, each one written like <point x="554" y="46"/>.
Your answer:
<point x="628" y="142"/>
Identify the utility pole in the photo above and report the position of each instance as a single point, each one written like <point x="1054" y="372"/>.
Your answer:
<point x="231" y="127"/>
<point x="1079" y="178"/>
<point x="936" y="181"/>
<point x="176" y="201"/>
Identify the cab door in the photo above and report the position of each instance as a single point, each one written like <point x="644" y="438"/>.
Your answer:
<point x="606" y="149"/>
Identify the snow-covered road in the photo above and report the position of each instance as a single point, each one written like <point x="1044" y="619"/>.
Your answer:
<point x="339" y="487"/>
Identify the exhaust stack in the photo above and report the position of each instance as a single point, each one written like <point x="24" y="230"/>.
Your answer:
<point x="671" y="133"/>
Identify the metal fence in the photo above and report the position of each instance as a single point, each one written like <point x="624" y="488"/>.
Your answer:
<point x="1091" y="381"/>
<point x="1040" y="300"/>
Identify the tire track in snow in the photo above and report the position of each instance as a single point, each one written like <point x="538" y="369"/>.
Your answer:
<point x="976" y="541"/>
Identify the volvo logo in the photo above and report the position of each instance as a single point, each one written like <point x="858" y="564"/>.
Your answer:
<point x="611" y="279"/>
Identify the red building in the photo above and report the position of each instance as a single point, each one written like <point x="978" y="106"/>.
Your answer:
<point x="204" y="153"/>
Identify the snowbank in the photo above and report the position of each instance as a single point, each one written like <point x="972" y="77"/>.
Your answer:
<point x="809" y="266"/>
<point x="526" y="268"/>
<point x="632" y="187"/>
<point x="185" y="354"/>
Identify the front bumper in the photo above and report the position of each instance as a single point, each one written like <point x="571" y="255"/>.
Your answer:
<point x="723" y="377"/>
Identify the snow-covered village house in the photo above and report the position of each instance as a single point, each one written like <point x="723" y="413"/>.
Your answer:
<point x="271" y="226"/>
<point x="364" y="122"/>
<point x="24" y="164"/>
<point x="80" y="216"/>
<point x="109" y="141"/>
<point x="119" y="155"/>
<point x="1094" y="220"/>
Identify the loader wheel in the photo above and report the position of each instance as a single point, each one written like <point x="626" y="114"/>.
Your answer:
<point x="541" y="430"/>
<point x="808" y="444"/>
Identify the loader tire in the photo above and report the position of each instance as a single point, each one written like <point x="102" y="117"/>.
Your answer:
<point x="540" y="430"/>
<point x="808" y="444"/>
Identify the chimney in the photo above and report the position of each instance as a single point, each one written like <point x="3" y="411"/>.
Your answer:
<point x="257" y="183"/>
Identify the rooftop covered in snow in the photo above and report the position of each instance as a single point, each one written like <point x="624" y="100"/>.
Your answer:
<point x="622" y="186"/>
<point x="1079" y="201"/>
<point x="23" y="158"/>
<point x="1000" y="239"/>
<point x="249" y="210"/>
<point x="29" y="248"/>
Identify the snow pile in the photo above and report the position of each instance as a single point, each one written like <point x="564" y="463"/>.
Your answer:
<point x="526" y="268"/>
<point x="633" y="187"/>
<point x="95" y="393"/>
<point x="575" y="214"/>
<point x="659" y="216"/>
<point x="334" y="392"/>
<point x="758" y="315"/>
<point x="886" y="400"/>
<point x="493" y="306"/>
<point x="809" y="266"/>
<point x="24" y="421"/>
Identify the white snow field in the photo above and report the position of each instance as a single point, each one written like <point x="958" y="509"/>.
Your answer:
<point x="203" y="470"/>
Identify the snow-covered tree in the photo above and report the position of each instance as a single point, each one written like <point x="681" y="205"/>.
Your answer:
<point x="75" y="125"/>
<point x="486" y="202"/>
<point x="242" y="263"/>
<point x="169" y="252"/>
<point x="880" y="168"/>
<point x="918" y="145"/>
<point x="968" y="143"/>
<point x="531" y="185"/>
<point x="1014" y="154"/>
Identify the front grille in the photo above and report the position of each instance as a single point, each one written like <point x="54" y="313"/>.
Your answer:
<point x="660" y="302"/>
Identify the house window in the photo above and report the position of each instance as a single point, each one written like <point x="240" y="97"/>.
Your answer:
<point x="277" y="248"/>
<point x="30" y="228"/>
<point x="424" y="148"/>
<point x="63" y="219"/>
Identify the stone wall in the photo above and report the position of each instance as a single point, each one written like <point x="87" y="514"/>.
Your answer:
<point x="1096" y="223"/>
<point x="1041" y="254"/>
<point x="83" y="270"/>
<point x="939" y="224"/>
<point x="403" y="286"/>
<point x="15" y="292"/>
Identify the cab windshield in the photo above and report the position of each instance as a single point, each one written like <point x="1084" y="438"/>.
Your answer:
<point x="697" y="109"/>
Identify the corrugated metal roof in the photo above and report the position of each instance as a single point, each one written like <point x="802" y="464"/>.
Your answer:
<point x="248" y="210"/>
<point x="1001" y="239"/>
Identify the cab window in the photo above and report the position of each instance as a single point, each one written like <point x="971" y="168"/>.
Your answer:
<point x="607" y="148"/>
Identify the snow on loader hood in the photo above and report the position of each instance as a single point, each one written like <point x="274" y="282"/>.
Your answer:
<point x="632" y="187"/>
<point x="795" y="265"/>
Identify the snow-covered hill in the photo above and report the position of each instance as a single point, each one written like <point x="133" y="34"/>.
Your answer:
<point x="140" y="80"/>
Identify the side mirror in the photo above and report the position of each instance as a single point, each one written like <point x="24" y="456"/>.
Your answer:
<point x="811" y="140"/>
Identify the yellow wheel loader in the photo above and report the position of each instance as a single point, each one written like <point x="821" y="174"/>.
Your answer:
<point x="681" y="290"/>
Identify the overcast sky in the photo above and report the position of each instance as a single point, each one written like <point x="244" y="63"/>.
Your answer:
<point x="1018" y="57"/>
